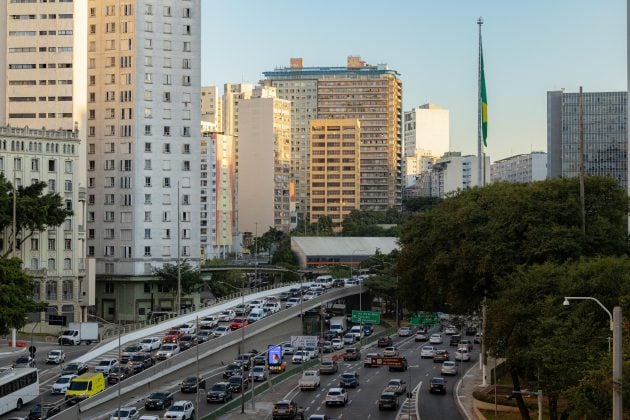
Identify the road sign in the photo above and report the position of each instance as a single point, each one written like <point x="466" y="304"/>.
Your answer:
<point x="366" y="317"/>
<point x="303" y="341"/>
<point x="57" y="320"/>
<point x="388" y="361"/>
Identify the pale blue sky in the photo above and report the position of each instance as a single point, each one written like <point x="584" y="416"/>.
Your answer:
<point x="530" y="47"/>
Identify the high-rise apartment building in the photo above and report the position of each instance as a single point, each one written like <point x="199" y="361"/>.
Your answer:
<point x="520" y="168"/>
<point x="335" y="175"/>
<point x="233" y="93"/>
<point x="143" y="136"/>
<point x="604" y="130"/>
<point x="212" y="106"/>
<point x="427" y="131"/>
<point x="371" y="94"/>
<point x="264" y="159"/>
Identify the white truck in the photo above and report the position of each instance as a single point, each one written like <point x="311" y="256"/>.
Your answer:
<point x="338" y="324"/>
<point x="79" y="332"/>
<point x="309" y="380"/>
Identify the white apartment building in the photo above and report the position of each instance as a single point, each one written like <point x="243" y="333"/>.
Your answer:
<point x="143" y="137"/>
<point x="520" y="168"/>
<point x="212" y="106"/>
<point x="64" y="278"/>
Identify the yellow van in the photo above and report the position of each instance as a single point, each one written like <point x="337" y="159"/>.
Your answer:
<point x="85" y="386"/>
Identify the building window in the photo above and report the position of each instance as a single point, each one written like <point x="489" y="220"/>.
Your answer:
<point x="109" y="287"/>
<point x="52" y="244"/>
<point x="67" y="289"/>
<point x="67" y="244"/>
<point x="147" y="251"/>
<point x="51" y="286"/>
<point x="67" y="264"/>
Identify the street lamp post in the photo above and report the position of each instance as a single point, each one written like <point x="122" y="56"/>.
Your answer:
<point x="615" y="327"/>
<point x="360" y="296"/>
<point x="119" y="328"/>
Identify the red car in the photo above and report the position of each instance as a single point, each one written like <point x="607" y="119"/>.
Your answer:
<point x="173" y="336"/>
<point x="238" y="323"/>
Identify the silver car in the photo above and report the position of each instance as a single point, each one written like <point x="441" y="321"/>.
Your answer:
<point x="449" y="368"/>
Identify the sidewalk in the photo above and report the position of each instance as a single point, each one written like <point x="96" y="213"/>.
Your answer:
<point x="466" y="386"/>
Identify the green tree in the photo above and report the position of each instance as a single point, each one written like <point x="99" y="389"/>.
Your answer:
<point x="35" y="211"/>
<point x="16" y="295"/>
<point x="457" y="250"/>
<point x="190" y="278"/>
<point x="366" y="223"/>
<point x="416" y="204"/>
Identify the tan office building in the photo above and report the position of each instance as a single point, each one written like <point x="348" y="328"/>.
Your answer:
<point x="335" y="171"/>
<point x="212" y="106"/>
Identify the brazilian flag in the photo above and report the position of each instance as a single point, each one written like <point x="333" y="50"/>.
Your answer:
<point x="483" y="99"/>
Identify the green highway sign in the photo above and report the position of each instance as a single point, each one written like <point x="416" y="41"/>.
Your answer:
<point x="422" y="318"/>
<point x="366" y="317"/>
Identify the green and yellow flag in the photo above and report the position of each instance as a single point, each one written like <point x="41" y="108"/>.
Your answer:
<point x="483" y="99"/>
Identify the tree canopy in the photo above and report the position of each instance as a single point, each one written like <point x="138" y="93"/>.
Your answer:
<point x="190" y="278"/>
<point x="16" y="295"/>
<point x="455" y="252"/>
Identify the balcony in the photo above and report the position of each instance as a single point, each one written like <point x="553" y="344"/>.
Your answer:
<point x="39" y="272"/>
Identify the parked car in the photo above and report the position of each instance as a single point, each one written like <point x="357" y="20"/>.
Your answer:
<point x="220" y="392"/>
<point x="328" y="367"/>
<point x="385" y="342"/>
<point x="105" y="365"/>
<point x="388" y="401"/>
<point x="448" y="368"/>
<point x="180" y="410"/>
<point x="61" y="384"/>
<point x="237" y="383"/>
<point x="437" y="385"/>
<point x="77" y="368"/>
<point x="56" y="356"/>
<point x="158" y="400"/>
<point x="349" y="380"/>
<point x="150" y="343"/>
<point x="336" y="396"/>
<point x="192" y="384"/>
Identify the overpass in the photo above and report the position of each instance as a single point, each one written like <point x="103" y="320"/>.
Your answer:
<point x="258" y="335"/>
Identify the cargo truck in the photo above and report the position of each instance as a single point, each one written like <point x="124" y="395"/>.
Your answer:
<point x="79" y="332"/>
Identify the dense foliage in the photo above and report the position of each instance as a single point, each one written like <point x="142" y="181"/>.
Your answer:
<point x="16" y="295"/>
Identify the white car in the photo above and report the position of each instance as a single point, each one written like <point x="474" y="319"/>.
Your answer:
<point x="450" y="330"/>
<point x="310" y="295"/>
<point x="188" y="328"/>
<point x="349" y="339"/>
<point x="61" y="385"/>
<point x="56" y="356"/>
<point x="390" y="351"/>
<point x="448" y="368"/>
<point x="166" y="351"/>
<point x="227" y="316"/>
<point x="180" y="410"/>
<point x="294" y="301"/>
<point x="312" y="351"/>
<point x="427" y="352"/>
<point x="462" y="354"/>
<point x="221" y="330"/>
<point x="404" y="332"/>
<point x="337" y="343"/>
<point x="209" y="321"/>
<point x="126" y="413"/>
<point x="150" y="343"/>
<point x="336" y="396"/>
<point x="287" y="348"/>
<point x="300" y="356"/>
<point x="435" y="339"/>
<point x="356" y="330"/>
<point x="105" y="365"/>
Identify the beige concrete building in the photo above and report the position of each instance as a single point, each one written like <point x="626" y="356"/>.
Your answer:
<point x="264" y="159"/>
<point x="335" y="171"/>
<point x="371" y="94"/>
<point x="212" y="106"/>
<point x="233" y="93"/>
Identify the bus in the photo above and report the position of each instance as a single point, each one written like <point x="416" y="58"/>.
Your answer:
<point x="18" y="386"/>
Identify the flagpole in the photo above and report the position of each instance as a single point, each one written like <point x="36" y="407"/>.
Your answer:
<point x="480" y="177"/>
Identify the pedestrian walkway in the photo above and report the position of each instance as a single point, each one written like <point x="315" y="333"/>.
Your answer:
<point x="466" y="386"/>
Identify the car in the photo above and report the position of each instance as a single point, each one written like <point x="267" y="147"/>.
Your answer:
<point x="287" y="348"/>
<point x="77" y="368"/>
<point x="291" y="302"/>
<point x="326" y="347"/>
<point x="128" y="351"/>
<point x="203" y="336"/>
<point x="312" y="350"/>
<point x="24" y="362"/>
<point x="349" y="339"/>
<point x="397" y="386"/>
<point x="448" y="368"/>
<point x="477" y="339"/>
<point x="390" y="351"/>
<point x="61" y="384"/>
<point x="319" y="417"/>
<point x="328" y="367"/>
<point x="244" y="360"/>
<point x="226" y="316"/>
<point x="356" y="330"/>
<point x="172" y="336"/>
<point x="338" y="283"/>
<point x="187" y="341"/>
<point x="404" y="332"/>
<point x="231" y="370"/>
<point x="238" y="323"/>
<point x="219" y="392"/>
<point x="466" y="343"/>
<point x="337" y="343"/>
<point x="349" y="380"/>
<point x="471" y="331"/>
<point x="237" y="383"/>
<point x="329" y="335"/>
<point x="221" y="330"/>
<point x="300" y="356"/>
<point x="370" y="359"/>
<point x="385" y="341"/>
<point x="278" y="368"/>
<point x="56" y="356"/>
<point x="437" y="385"/>
<point x="125" y="413"/>
<point x="140" y="361"/>
<point x="435" y="338"/>
<point x="286" y="409"/>
<point x="311" y="294"/>
<point x="283" y="296"/>
<point x="148" y="417"/>
<point x="118" y="373"/>
<point x="209" y="321"/>
<point x="421" y="336"/>
<point x="440" y="355"/>
<point x="37" y="413"/>
<point x="336" y="396"/>
<point x="192" y="384"/>
<point x="188" y="328"/>
<point x="166" y="351"/>
<point x="462" y="354"/>
<point x="105" y="365"/>
<point x="388" y="401"/>
<point x="158" y="400"/>
<point x="450" y="330"/>
<point x="352" y="354"/>
<point x="426" y="352"/>
<point x="260" y="360"/>
<point x="259" y="373"/>
<point x="150" y="343"/>
<point x="454" y="340"/>
<point x="180" y="410"/>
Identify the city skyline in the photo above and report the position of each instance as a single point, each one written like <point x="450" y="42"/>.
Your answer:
<point x="529" y="49"/>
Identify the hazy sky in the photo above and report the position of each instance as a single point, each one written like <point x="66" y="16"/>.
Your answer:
<point x="530" y="47"/>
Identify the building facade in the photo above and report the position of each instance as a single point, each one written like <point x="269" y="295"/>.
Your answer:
<point x="55" y="257"/>
<point x="427" y="130"/>
<point x="371" y="94"/>
<point x="335" y="172"/>
<point x="523" y="168"/>
<point x="604" y="130"/>
<point x="212" y="106"/>
<point x="264" y="159"/>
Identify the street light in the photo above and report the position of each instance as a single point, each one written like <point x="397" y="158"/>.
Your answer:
<point x="360" y="296"/>
<point x="119" y="332"/>
<point x="615" y="327"/>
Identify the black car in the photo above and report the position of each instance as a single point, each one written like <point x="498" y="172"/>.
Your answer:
<point x="139" y="362"/>
<point x="260" y="360"/>
<point x="36" y="412"/>
<point x="284" y="296"/>
<point x="338" y="283"/>
<point x="231" y="370"/>
<point x="77" y="368"/>
<point x="158" y="400"/>
<point x="187" y="342"/>
<point x="349" y="380"/>
<point x="237" y="383"/>
<point x="118" y="373"/>
<point x="220" y="392"/>
<point x="329" y="335"/>
<point x="244" y="360"/>
<point x="385" y="342"/>
<point x="295" y="292"/>
<point x="190" y="384"/>
<point x="437" y="385"/>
